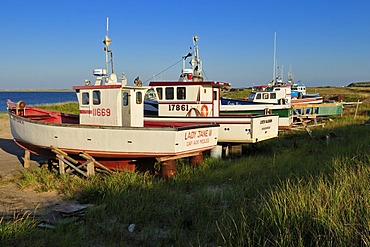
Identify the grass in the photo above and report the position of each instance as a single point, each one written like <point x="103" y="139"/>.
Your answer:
<point x="69" y="107"/>
<point x="20" y="227"/>
<point x="289" y="191"/>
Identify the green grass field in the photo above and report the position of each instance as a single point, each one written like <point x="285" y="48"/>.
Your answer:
<point x="290" y="191"/>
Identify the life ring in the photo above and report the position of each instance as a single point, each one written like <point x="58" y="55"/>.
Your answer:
<point x="195" y="110"/>
<point x="204" y="111"/>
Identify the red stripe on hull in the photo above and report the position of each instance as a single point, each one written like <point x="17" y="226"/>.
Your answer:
<point x="46" y="151"/>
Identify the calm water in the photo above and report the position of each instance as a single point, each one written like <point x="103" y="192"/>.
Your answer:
<point x="36" y="98"/>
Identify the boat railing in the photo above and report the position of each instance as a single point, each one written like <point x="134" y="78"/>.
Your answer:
<point x="17" y="107"/>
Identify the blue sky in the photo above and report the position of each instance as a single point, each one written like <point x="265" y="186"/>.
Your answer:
<point x="57" y="44"/>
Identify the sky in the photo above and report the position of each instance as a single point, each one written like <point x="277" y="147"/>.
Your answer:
<point x="57" y="44"/>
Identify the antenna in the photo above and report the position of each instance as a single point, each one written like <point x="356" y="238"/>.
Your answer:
<point x="107" y="25"/>
<point x="196" y="63"/>
<point x="274" y="70"/>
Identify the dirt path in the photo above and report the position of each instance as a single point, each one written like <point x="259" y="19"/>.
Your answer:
<point x="12" y="198"/>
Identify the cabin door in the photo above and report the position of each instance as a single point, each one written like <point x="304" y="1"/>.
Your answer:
<point x="133" y="107"/>
<point x="126" y="113"/>
<point x="216" y="102"/>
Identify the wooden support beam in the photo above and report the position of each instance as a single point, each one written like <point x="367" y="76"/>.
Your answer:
<point x="303" y="122"/>
<point x="71" y="165"/>
<point x="89" y="157"/>
<point x="61" y="166"/>
<point x="74" y="165"/>
<point x="90" y="169"/>
<point x="60" y="152"/>
<point x="175" y="157"/>
<point x="358" y="103"/>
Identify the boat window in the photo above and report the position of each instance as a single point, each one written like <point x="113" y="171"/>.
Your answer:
<point x="96" y="98"/>
<point x="273" y="96"/>
<point x="139" y="97"/>
<point x="181" y="93"/>
<point x="169" y="93"/>
<point x="215" y="95"/>
<point x="258" y="96"/>
<point x="85" y="98"/>
<point x="125" y="98"/>
<point x="159" y="92"/>
<point x="150" y="94"/>
<point x="265" y="96"/>
<point x="251" y="96"/>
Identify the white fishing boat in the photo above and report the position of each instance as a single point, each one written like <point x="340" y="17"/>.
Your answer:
<point x="288" y="100"/>
<point x="191" y="100"/>
<point x="110" y="126"/>
<point x="274" y="98"/>
<point x="299" y="93"/>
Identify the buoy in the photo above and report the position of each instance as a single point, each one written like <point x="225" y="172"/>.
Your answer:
<point x="204" y="111"/>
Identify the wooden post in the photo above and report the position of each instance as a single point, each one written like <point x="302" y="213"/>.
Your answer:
<point x="358" y="103"/>
<point x="90" y="169"/>
<point x="61" y="167"/>
<point x="168" y="168"/>
<point x="27" y="159"/>
<point x="196" y="160"/>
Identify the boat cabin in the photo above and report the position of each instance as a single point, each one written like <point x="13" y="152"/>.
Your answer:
<point x="186" y="98"/>
<point x="189" y="96"/>
<point x="298" y="91"/>
<point x="271" y="94"/>
<point x="111" y="103"/>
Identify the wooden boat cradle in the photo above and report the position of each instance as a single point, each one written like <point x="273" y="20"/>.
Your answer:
<point x="67" y="165"/>
<point x="304" y="120"/>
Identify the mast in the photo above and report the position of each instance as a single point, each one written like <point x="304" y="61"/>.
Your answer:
<point x="107" y="41"/>
<point x="196" y="64"/>
<point x="274" y="69"/>
<point x="194" y="73"/>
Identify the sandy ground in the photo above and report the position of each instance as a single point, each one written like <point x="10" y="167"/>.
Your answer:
<point x="12" y="198"/>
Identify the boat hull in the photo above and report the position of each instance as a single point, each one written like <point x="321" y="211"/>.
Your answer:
<point x="284" y="112"/>
<point x="232" y="129"/>
<point x="111" y="143"/>
<point x="308" y="100"/>
<point x="324" y="109"/>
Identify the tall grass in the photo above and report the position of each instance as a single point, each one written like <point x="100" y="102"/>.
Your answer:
<point x="326" y="210"/>
<point x="16" y="230"/>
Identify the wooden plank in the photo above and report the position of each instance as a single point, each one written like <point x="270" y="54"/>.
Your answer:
<point x="60" y="152"/>
<point x="89" y="157"/>
<point x="71" y="165"/>
<point x="61" y="167"/>
<point x="75" y="165"/>
<point x="90" y="169"/>
<point x="175" y="157"/>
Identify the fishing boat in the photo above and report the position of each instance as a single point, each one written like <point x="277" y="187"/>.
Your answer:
<point x="270" y="99"/>
<point x="273" y="98"/>
<point x="192" y="100"/>
<point x="110" y="126"/>
<point x="288" y="100"/>
<point x="299" y="93"/>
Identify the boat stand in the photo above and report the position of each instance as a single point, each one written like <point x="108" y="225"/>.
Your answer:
<point x="304" y="121"/>
<point x="168" y="163"/>
<point x="68" y="165"/>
